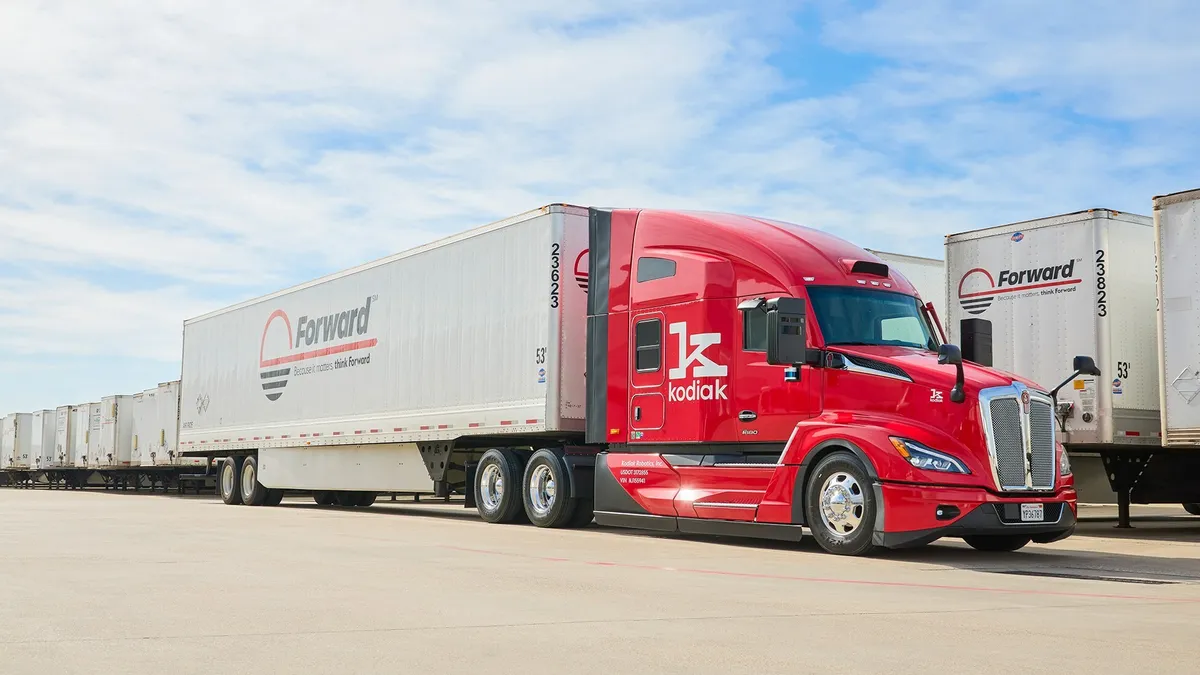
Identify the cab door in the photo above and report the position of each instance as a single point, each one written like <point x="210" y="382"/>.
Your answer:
<point x="769" y="403"/>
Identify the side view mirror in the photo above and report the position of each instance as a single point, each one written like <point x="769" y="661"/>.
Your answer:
<point x="1086" y="365"/>
<point x="1083" y="365"/>
<point x="951" y="355"/>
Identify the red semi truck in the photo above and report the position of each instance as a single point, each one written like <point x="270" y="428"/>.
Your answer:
<point x="729" y="375"/>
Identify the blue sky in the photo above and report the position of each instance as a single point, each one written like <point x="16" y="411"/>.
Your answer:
<point x="160" y="161"/>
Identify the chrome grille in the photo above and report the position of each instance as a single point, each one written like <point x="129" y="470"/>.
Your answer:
<point x="1041" y="434"/>
<point x="1009" y="446"/>
<point x="1020" y="442"/>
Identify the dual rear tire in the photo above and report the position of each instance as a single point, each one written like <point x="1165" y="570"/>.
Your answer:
<point x="237" y="481"/>
<point x="508" y="490"/>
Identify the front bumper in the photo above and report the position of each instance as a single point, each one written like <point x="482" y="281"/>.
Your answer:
<point x="911" y="514"/>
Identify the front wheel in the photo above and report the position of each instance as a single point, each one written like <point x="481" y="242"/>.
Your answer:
<point x="840" y="505"/>
<point x="996" y="543"/>
<point x="1192" y="508"/>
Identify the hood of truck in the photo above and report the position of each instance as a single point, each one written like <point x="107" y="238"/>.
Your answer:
<point x="923" y="367"/>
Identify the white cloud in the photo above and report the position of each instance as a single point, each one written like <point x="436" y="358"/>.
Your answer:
<point x="165" y="159"/>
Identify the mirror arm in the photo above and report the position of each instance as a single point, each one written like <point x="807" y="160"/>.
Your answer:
<point x="957" y="395"/>
<point x="1054" y="391"/>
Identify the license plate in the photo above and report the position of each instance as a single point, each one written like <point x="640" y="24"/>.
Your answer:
<point x="1033" y="513"/>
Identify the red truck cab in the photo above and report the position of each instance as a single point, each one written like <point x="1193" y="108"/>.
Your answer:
<point x="753" y="377"/>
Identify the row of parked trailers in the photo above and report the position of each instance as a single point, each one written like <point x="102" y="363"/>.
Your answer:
<point x="120" y="441"/>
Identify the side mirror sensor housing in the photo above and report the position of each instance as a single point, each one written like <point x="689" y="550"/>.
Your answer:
<point x="787" y="334"/>
<point x="951" y="355"/>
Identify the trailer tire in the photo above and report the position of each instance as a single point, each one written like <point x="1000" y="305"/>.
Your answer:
<point x="345" y="498"/>
<point x="325" y="497"/>
<point x="274" y="498"/>
<point x="545" y="490"/>
<point x="254" y="493"/>
<point x="997" y="543"/>
<point x="229" y="481"/>
<point x="365" y="499"/>
<point x="1192" y="508"/>
<point x="840" y="505"/>
<point x="498" y="481"/>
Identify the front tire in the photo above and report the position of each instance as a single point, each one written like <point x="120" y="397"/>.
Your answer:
<point x="230" y="481"/>
<point x="498" y="481"/>
<point x="546" y="491"/>
<point x="1192" y="508"/>
<point x="996" y="543"/>
<point x="840" y="505"/>
<point x="254" y="493"/>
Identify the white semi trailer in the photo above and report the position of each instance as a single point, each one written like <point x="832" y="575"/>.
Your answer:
<point x="928" y="275"/>
<point x="1028" y="296"/>
<point x="359" y="382"/>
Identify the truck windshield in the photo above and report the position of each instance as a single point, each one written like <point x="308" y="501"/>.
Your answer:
<point x="863" y="316"/>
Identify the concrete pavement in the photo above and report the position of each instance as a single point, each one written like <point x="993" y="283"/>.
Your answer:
<point x="131" y="583"/>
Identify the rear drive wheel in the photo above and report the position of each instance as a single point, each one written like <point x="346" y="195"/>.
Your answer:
<point x="325" y="497"/>
<point x="546" y="491"/>
<point x="1192" y="508"/>
<point x="996" y="543"/>
<point x="230" y="480"/>
<point x="274" y="498"/>
<point x="840" y="505"/>
<point x="497" y="487"/>
<point x="584" y="513"/>
<point x="253" y="492"/>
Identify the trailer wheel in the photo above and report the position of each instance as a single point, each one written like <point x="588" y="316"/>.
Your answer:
<point x="366" y="499"/>
<point x="325" y="497"/>
<point x="996" y="543"/>
<point x="1192" y="508"/>
<point x="548" y="502"/>
<point x="498" y="486"/>
<point x="230" y="481"/>
<point x="274" y="498"/>
<point x="253" y="492"/>
<point x="840" y="505"/>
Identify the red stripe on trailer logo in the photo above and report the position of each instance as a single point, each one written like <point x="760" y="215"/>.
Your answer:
<point x="318" y="353"/>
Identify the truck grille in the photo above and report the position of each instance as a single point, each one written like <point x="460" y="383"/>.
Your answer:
<point x="1021" y="444"/>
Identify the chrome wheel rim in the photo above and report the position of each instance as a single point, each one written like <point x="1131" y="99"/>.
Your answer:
<point x="227" y="480"/>
<point x="842" y="504"/>
<point x="491" y="487"/>
<point x="542" y="489"/>
<point x="248" y="480"/>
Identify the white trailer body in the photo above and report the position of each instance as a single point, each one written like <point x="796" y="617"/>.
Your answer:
<point x="41" y="451"/>
<point x="64" y="439"/>
<point x="1177" y="247"/>
<point x="80" y="425"/>
<point x="927" y="275"/>
<point x="336" y="381"/>
<point x="95" y="423"/>
<point x="145" y="410"/>
<point x="1054" y="288"/>
<point x="116" y="432"/>
<point x="16" y="438"/>
<point x="164" y="443"/>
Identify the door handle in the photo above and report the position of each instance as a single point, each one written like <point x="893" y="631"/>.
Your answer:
<point x="747" y="416"/>
<point x="637" y="414"/>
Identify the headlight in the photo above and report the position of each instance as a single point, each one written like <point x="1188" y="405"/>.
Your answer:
<point x="1064" y="464"/>
<point x="924" y="457"/>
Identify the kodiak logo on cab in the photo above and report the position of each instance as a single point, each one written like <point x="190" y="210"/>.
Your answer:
<point x="278" y="355"/>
